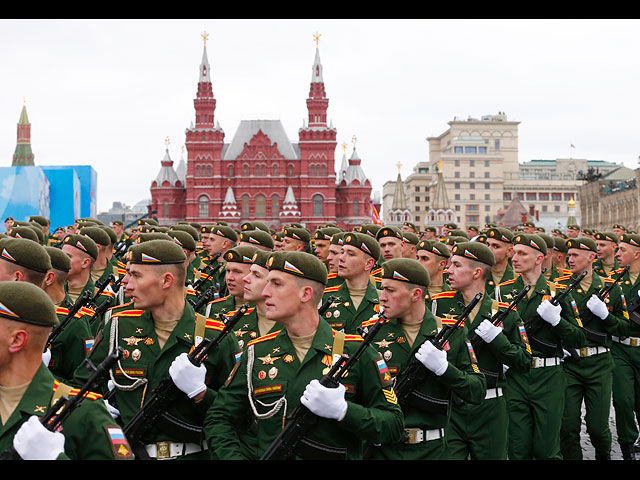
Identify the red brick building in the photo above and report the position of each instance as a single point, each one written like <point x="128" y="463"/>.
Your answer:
<point x="260" y="174"/>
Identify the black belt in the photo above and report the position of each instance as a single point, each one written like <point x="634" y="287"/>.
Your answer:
<point x="308" y="449"/>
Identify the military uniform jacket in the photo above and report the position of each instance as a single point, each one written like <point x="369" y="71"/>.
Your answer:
<point x="247" y="328"/>
<point x="145" y="365"/>
<point x="342" y="315"/>
<point x="598" y="332"/>
<point x="630" y="299"/>
<point x="431" y="406"/>
<point x="69" y="349"/>
<point x="544" y="339"/>
<point x="598" y="267"/>
<point x="90" y="431"/>
<point x="510" y="348"/>
<point x="277" y="381"/>
<point x="333" y="281"/>
<point x="508" y="274"/>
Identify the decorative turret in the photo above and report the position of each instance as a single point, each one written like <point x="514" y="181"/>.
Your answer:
<point x="398" y="213"/>
<point x="23" y="156"/>
<point x="289" y="211"/>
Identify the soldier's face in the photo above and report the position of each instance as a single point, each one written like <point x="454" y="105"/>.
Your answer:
<point x="146" y="285"/>
<point x="292" y="245"/>
<point x="431" y="262"/>
<point x="322" y="250"/>
<point x="254" y="283"/>
<point x="579" y="260"/>
<point x="282" y="296"/>
<point x="332" y="258"/>
<point x="390" y="247"/>
<point x="79" y="260"/>
<point x="395" y="298"/>
<point x="500" y="249"/>
<point x="627" y="254"/>
<point x="216" y="243"/>
<point x="351" y="262"/>
<point x="462" y="273"/>
<point x="234" y="273"/>
<point x="525" y="258"/>
<point x="605" y="248"/>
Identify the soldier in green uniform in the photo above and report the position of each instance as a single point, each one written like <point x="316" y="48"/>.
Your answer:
<point x="188" y="244"/>
<point x="28" y="388"/>
<point x="434" y="256"/>
<point x="500" y="241"/>
<point x="605" y="263"/>
<point x="429" y="233"/>
<point x="333" y="254"/>
<point x="101" y="267"/>
<point x="391" y="243"/>
<point x="157" y="334"/>
<point x="406" y="339"/>
<point x="559" y="256"/>
<point x="82" y="251"/>
<point x="588" y="371"/>
<point x="256" y="238"/>
<point x="216" y="239"/>
<point x="549" y="270"/>
<point x="480" y="432"/>
<point x="322" y="240"/>
<point x="535" y="399"/>
<point x="625" y="350"/>
<point x="295" y="239"/>
<point x="281" y="370"/>
<point x="356" y="298"/>
<point x="410" y="241"/>
<point x="44" y="224"/>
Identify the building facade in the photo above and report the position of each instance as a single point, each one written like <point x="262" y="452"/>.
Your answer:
<point x="261" y="174"/>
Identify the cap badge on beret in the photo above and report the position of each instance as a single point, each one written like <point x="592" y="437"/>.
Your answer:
<point x="295" y="236"/>
<point x="347" y="239"/>
<point x="253" y="240"/>
<point x="229" y="256"/>
<point x="270" y="262"/>
<point x="365" y="248"/>
<point x="633" y="242"/>
<point x="177" y="241"/>
<point x="385" y="231"/>
<point x="247" y="259"/>
<point x="534" y="244"/>
<point x="80" y="246"/>
<point x="148" y="258"/>
<point x="399" y="276"/>
<point x="582" y="245"/>
<point x="7" y="311"/>
<point x="6" y="255"/>
<point x="291" y="267"/>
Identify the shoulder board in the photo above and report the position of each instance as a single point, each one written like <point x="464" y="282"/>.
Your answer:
<point x="332" y="275"/>
<point x="608" y="279"/>
<point x="353" y="338"/>
<point x="335" y="288"/>
<point x="120" y="264"/>
<point x="212" y="324"/>
<point x="85" y="311"/>
<point x="618" y="270"/>
<point x="451" y="321"/>
<point x="504" y="305"/>
<point x="447" y="294"/>
<point x="566" y="271"/>
<point x="378" y="279"/>
<point x="129" y="313"/>
<point x="233" y="312"/>
<point x="62" y="311"/>
<point x="377" y="271"/>
<point x="219" y="299"/>
<point x="107" y="293"/>
<point x="121" y="271"/>
<point x="560" y="285"/>
<point x="203" y="275"/>
<point x="508" y="282"/>
<point x="75" y="391"/>
<point x="369" y="322"/>
<point x="562" y="279"/>
<point x="130" y="302"/>
<point x="191" y="291"/>
<point x="264" y="338"/>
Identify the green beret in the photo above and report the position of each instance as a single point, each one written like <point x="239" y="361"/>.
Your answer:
<point x="631" y="239"/>
<point x="147" y="221"/>
<point x="548" y="239"/>
<point x="156" y="252"/>
<point x="38" y="310"/>
<point x="573" y="227"/>
<point x="450" y="225"/>
<point x="472" y="228"/>
<point x="182" y="238"/>
<point x="370" y="229"/>
<point x="301" y="234"/>
<point x="528" y="224"/>
<point x="389" y="232"/>
<point x="560" y="244"/>
<point x="24" y="232"/>
<point x="411" y="238"/>
<point x="295" y="225"/>
<point x="617" y="225"/>
<point x="476" y="251"/>
<point x="94" y="220"/>
<point x="457" y="233"/>
<point x="254" y="226"/>
<point x="531" y="240"/>
<point x="97" y="235"/>
<point x="452" y="240"/>
<point x="157" y="228"/>
<point x="278" y="236"/>
<point x="257" y="238"/>
<point x="501" y="234"/>
<point x="430" y="229"/>
<point x="582" y="243"/>
<point x="608" y="236"/>
<point x="118" y="222"/>
<point x="82" y="242"/>
<point x="29" y="255"/>
<point x="406" y="270"/>
<point x="37" y="229"/>
<point x="363" y="242"/>
<point x="206" y="228"/>
<point x="40" y="220"/>
<point x="224" y="231"/>
<point x="240" y="254"/>
<point x="300" y="264"/>
<point x="186" y="228"/>
<point x="438" y="248"/>
<point x="481" y="237"/>
<point x="220" y="222"/>
<point x="59" y="259"/>
<point x="325" y="233"/>
<point x="260" y="258"/>
<point x="338" y="238"/>
<point x="148" y="236"/>
<point x="411" y="225"/>
<point x="113" y="238"/>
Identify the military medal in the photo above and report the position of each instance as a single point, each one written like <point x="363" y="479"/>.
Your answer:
<point x="125" y="354"/>
<point x="148" y="341"/>
<point x="288" y="358"/>
<point x="135" y="355"/>
<point x="262" y="375"/>
<point x="336" y="313"/>
<point x="132" y="341"/>
<point x="268" y="360"/>
<point x="387" y="355"/>
<point x="273" y="371"/>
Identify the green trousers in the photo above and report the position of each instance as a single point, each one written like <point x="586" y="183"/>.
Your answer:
<point x="431" y="450"/>
<point x="535" y="402"/>
<point x="626" y="391"/>
<point x="589" y="380"/>
<point x="478" y="432"/>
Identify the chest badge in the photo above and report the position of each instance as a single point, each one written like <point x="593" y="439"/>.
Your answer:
<point x="132" y="341"/>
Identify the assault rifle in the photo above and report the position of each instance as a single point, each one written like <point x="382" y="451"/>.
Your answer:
<point x="202" y="299"/>
<point x="101" y="286"/>
<point x="64" y="406"/>
<point x="302" y="419"/>
<point x="416" y="372"/>
<point x="498" y="318"/>
<point x="327" y="303"/>
<point x="166" y="392"/>
<point x="210" y="270"/>
<point x="81" y="301"/>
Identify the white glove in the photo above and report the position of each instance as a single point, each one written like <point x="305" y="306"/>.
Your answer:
<point x="324" y="401"/>
<point x="487" y="331"/>
<point x="46" y="357"/>
<point x="432" y="358"/>
<point x="186" y="376"/>
<point x="565" y="354"/>
<point x="597" y="307"/>
<point x="34" y="442"/>
<point x="549" y="313"/>
<point x="115" y="413"/>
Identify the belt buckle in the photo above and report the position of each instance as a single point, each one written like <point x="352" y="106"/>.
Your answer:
<point x="584" y="352"/>
<point x="415" y="435"/>
<point x="537" y="362"/>
<point x="633" y="341"/>
<point x="163" y="450"/>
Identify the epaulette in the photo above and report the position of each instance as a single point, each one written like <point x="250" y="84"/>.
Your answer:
<point x="129" y="313"/>
<point x="191" y="291"/>
<point x="233" y="312"/>
<point x="504" y="305"/>
<point x="212" y="324"/>
<point x="335" y="288"/>
<point x="219" y="299"/>
<point x="203" y="275"/>
<point x="121" y="271"/>
<point x="566" y="271"/>
<point x="75" y="391"/>
<point x="618" y="270"/>
<point x="332" y="275"/>
<point x="377" y="271"/>
<point x="447" y="294"/>
<point x="264" y="338"/>
<point x="609" y="280"/>
<point x="121" y="265"/>
<point x="562" y="279"/>
<point x="107" y="293"/>
<point x="560" y="285"/>
<point x="352" y="338"/>
<point x="85" y="311"/>
<point x="508" y="282"/>
<point x="120" y="306"/>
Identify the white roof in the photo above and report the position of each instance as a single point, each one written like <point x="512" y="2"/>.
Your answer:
<point x="271" y="128"/>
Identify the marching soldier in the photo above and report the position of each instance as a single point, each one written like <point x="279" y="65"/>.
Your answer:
<point x="322" y="238"/>
<point x="295" y="239"/>
<point x="434" y="256"/>
<point x="499" y="240"/>
<point x="559" y="256"/>
<point x="333" y="254"/>
<point x="410" y="241"/>
<point x="281" y="370"/>
<point x="391" y="243"/>
<point x="605" y="263"/>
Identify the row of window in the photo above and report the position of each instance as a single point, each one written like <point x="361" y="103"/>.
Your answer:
<point x="472" y="163"/>
<point x="472" y="174"/>
<point x="541" y="196"/>
<point x="315" y="170"/>
<point x="471" y="150"/>
<point x="260" y="206"/>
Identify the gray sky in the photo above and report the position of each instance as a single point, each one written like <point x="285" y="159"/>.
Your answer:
<point x="108" y="92"/>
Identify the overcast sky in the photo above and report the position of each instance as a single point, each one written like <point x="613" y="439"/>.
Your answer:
<point x="107" y="93"/>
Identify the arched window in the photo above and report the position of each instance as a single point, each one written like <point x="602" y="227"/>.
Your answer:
<point x="208" y="171"/>
<point x="275" y="169"/>
<point x="291" y="170"/>
<point x="260" y="206"/>
<point x="323" y="170"/>
<point x="230" y="170"/>
<point x="245" y="170"/>
<point x="356" y="208"/>
<point x="317" y="205"/>
<point x="313" y="170"/>
<point x="203" y="206"/>
<point x="165" y="209"/>
<point x="198" y="171"/>
<point x="245" y="205"/>
<point x="275" y="205"/>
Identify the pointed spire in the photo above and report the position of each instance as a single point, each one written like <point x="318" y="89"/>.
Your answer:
<point x="440" y="200"/>
<point x="166" y="173"/>
<point x="289" y="208"/>
<point x="230" y="209"/>
<point x="316" y="69"/>
<point x="229" y="198"/>
<point x="343" y="166"/>
<point x="399" y="200"/>
<point x="204" y="64"/>
<point x="23" y="155"/>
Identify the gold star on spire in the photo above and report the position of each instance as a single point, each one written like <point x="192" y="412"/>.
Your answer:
<point x="344" y="147"/>
<point x="399" y="165"/>
<point x="353" y="140"/>
<point x="317" y="36"/>
<point x="205" y="36"/>
<point x="166" y="141"/>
